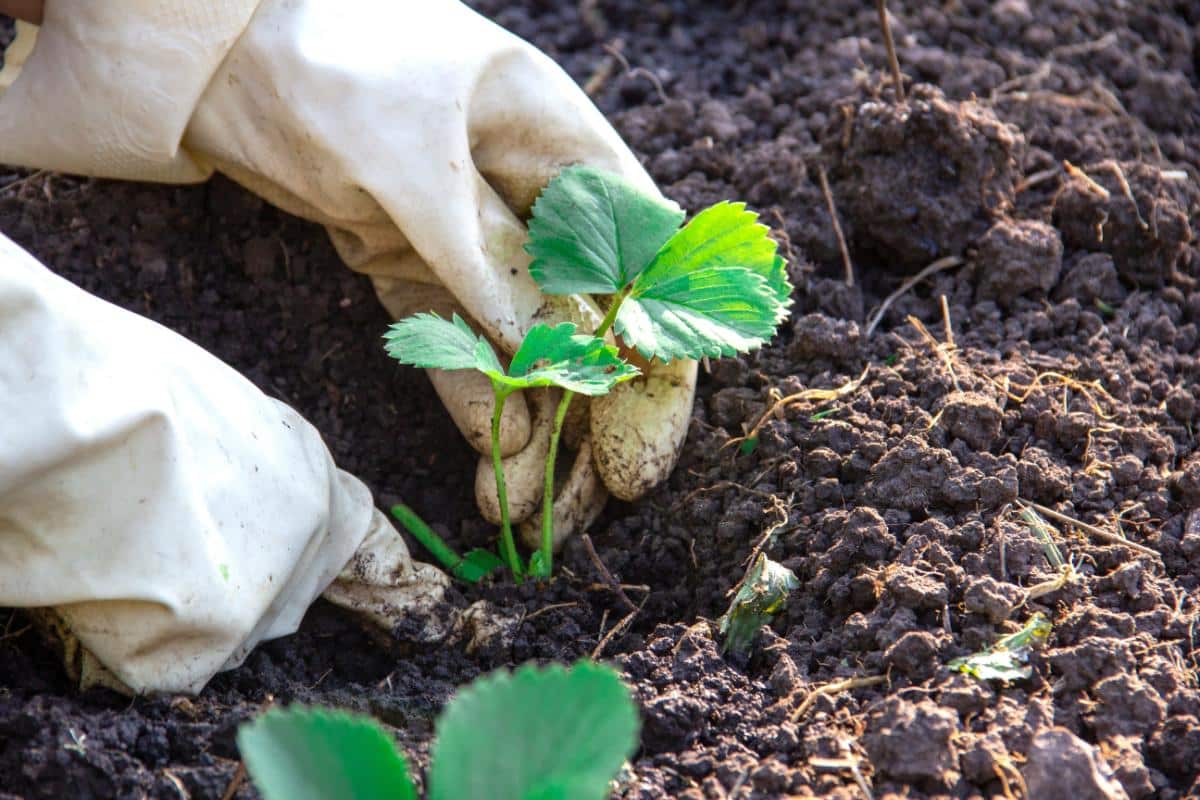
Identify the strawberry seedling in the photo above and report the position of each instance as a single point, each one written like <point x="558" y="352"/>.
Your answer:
<point x="715" y="287"/>
<point x="565" y="734"/>
<point x="548" y="356"/>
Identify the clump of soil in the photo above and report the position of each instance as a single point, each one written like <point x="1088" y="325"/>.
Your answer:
<point x="922" y="179"/>
<point x="1133" y="213"/>
<point x="1063" y="375"/>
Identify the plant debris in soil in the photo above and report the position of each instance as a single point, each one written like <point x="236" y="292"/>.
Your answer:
<point x="1053" y="147"/>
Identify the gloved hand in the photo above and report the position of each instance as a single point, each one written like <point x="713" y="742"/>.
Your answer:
<point x="418" y="134"/>
<point x="170" y="513"/>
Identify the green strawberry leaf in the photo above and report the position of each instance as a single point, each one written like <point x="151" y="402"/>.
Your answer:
<point x="315" y="754"/>
<point x="592" y="232"/>
<point x="557" y="356"/>
<point x="541" y="733"/>
<point x="726" y="235"/>
<point x="717" y="288"/>
<point x="713" y="311"/>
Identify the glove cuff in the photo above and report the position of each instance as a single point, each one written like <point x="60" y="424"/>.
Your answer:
<point x="109" y="87"/>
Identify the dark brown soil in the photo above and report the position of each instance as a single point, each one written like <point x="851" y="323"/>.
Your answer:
<point x="895" y="508"/>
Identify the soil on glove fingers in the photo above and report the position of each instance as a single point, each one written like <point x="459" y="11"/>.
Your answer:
<point x="1051" y="359"/>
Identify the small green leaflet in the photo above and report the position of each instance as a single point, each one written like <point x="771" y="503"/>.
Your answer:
<point x="534" y="733"/>
<point x="1007" y="659"/>
<point x="559" y="357"/>
<point x="548" y="356"/>
<point x="592" y="232"/>
<point x="315" y="754"/>
<point x="762" y="593"/>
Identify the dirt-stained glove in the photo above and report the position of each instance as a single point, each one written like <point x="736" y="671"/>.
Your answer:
<point x="169" y="513"/>
<point x="419" y="134"/>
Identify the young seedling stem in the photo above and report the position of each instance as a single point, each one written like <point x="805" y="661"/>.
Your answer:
<point x="508" y="547"/>
<point x="560" y="414"/>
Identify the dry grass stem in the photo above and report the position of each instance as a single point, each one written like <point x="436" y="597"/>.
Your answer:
<point x="808" y="395"/>
<point x="19" y="182"/>
<point x="549" y="608"/>
<point x="836" y="687"/>
<point x="1098" y="533"/>
<point x="235" y="782"/>
<point x="885" y="25"/>
<point x="1076" y="172"/>
<point x="1048" y="380"/>
<point x="1037" y="178"/>
<point x="837" y="225"/>
<point x="849" y="764"/>
<point x="937" y="266"/>
<point x="944" y="351"/>
<point x="1119" y="173"/>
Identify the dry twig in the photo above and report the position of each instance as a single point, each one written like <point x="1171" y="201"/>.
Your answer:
<point x="618" y="629"/>
<point x="235" y="782"/>
<point x="612" y="582"/>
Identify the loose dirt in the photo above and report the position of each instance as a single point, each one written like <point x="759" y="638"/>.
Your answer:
<point x="1057" y="365"/>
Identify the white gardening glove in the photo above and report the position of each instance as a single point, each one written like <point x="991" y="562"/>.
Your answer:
<point x="170" y="513"/>
<point x="418" y="133"/>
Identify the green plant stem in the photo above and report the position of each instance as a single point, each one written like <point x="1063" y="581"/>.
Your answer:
<point x="613" y="308"/>
<point x="560" y="414"/>
<point x="508" y="548"/>
<point x="427" y="537"/>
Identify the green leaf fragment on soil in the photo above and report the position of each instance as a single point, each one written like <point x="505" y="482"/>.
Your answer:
<point x="534" y="733"/>
<point x="763" y="594"/>
<point x="748" y="446"/>
<point x="592" y="232"/>
<point x="316" y="754"/>
<point x="1007" y="659"/>
<point x="477" y="564"/>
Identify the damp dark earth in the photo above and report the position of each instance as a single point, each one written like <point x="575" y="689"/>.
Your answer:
<point x="1021" y="328"/>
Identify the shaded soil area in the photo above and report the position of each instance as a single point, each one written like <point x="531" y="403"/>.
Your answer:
<point x="1045" y="162"/>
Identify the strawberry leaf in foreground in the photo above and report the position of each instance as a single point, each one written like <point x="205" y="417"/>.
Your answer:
<point x="565" y="733"/>
<point x="592" y="232"/>
<point x="313" y="754"/>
